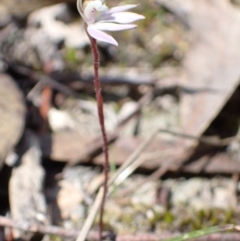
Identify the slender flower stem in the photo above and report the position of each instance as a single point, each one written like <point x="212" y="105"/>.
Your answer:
<point x="99" y="98"/>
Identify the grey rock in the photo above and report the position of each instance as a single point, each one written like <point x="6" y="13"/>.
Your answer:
<point x="12" y="119"/>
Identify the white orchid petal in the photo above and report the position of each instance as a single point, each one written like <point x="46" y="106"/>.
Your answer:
<point x="91" y="8"/>
<point x="126" y="17"/>
<point x="103" y="16"/>
<point x="121" y="8"/>
<point x="103" y="8"/>
<point x="79" y="5"/>
<point x="101" y="36"/>
<point x="80" y="8"/>
<point x="113" y="26"/>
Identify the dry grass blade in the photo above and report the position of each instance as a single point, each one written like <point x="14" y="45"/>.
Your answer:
<point x="96" y="205"/>
<point x="90" y="219"/>
<point x="124" y="169"/>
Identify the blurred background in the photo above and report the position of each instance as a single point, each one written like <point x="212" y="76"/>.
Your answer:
<point x="173" y="80"/>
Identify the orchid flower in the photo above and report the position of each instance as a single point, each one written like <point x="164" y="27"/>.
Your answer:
<point x="98" y="17"/>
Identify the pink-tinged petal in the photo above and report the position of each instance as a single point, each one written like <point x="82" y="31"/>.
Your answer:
<point x="101" y="36"/>
<point x="126" y="17"/>
<point x="121" y="8"/>
<point x="113" y="26"/>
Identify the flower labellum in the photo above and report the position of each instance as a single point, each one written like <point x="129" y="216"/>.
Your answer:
<point x="98" y="18"/>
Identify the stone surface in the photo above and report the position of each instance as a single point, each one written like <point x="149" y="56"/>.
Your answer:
<point x="12" y="108"/>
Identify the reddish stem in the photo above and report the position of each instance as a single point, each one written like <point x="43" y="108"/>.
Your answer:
<point x="99" y="98"/>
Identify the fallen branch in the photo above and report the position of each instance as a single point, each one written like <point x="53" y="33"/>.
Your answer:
<point x="36" y="228"/>
<point x="93" y="235"/>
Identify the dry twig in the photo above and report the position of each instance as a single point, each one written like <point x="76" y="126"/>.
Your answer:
<point x="93" y="235"/>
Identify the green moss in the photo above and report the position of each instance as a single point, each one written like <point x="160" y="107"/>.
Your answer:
<point x="229" y="216"/>
<point x="71" y="57"/>
<point x="56" y="238"/>
<point x="168" y="217"/>
<point x="131" y="219"/>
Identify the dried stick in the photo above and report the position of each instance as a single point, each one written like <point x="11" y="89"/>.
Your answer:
<point x="67" y="233"/>
<point x="36" y="228"/>
<point x="102" y="126"/>
<point x="202" y="139"/>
